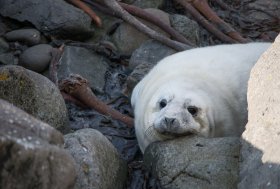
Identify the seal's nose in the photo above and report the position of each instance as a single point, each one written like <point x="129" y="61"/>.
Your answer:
<point x="169" y="121"/>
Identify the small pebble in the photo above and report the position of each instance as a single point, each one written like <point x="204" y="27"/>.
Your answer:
<point x="36" y="58"/>
<point x="29" y="37"/>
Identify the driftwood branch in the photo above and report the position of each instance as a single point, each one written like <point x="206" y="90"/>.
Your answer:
<point x="136" y="11"/>
<point x="87" y="10"/>
<point x="71" y="99"/>
<point x="56" y="54"/>
<point x="203" y="7"/>
<point x="195" y="7"/>
<point x="119" y="11"/>
<point x="78" y="87"/>
<point x="205" y="23"/>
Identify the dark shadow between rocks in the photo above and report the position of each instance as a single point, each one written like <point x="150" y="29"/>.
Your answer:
<point x="253" y="172"/>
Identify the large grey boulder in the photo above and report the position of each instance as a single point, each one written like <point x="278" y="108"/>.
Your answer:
<point x="88" y="64"/>
<point x="31" y="153"/>
<point x="194" y="162"/>
<point x="127" y="38"/>
<point x="260" y="165"/>
<point x="98" y="163"/>
<point x="52" y="17"/>
<point x="35" y="94"/>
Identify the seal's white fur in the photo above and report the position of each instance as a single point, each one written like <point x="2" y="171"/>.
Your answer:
<point x="213" y="79"/>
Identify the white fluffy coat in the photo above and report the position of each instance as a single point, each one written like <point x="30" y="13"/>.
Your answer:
<point x="213" y="78"/>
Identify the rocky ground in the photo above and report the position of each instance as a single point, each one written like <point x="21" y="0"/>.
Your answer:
<point x="113" y="58"/>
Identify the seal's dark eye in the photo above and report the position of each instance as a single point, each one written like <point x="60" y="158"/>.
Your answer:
<point x="193" y="110"/>
<point x="162" y="103"/>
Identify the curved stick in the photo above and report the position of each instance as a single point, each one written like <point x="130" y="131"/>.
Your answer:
<point x="118" y="10"/>
<point x="77" y="86"/>
<point x="206" y="24"/>
<point x="87" y="10"/>
<point x="136" y="11"/>
<point x="203" y="7"/>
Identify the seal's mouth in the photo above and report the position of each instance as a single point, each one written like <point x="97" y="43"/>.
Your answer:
<point x="165" y="133"/>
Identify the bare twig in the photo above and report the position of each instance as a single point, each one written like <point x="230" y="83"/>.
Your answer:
<point x="203" y="7"/>
<point x="206" y="24"/>
<point x="87" y="10"/>
<point x="56" y="55"/>
<point x="99" y="6"/>
<point x="78" y="87"/>
<point x="136" y="11"/>
<point x="119" y="11"/>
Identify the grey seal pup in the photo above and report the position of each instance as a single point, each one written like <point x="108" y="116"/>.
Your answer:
<point x="200" y="91"/>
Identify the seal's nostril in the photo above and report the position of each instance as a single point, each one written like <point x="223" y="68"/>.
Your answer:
<point x="169" y="121"/>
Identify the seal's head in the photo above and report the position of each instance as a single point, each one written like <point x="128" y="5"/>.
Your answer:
<point x="173" y="109"/>
<point x="179" y="112"/>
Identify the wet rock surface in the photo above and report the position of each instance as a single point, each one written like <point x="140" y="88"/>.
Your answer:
<point x="33" y="93"/>
<point x="31" y="152"/>
<point x="4" y="46"/>
<point x="187" y="27"/>
<point x="127" y="38"/>
<point x="143" y="60"/>
<point x="6" y="57"/>
<point x="98" y="163"/>
<point x="27" y="36"/>
<point x="135" y="76"/>
<point x="260" y="165"/>
<point x="36" y="58"/>
<point x="52" y="17"/>
<point x="86" y="63"/>
<point x="194" y="162"/>
<point x="3" y="27"/>
<point x="148" y="3"/>
<point x="150" y="52"/>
